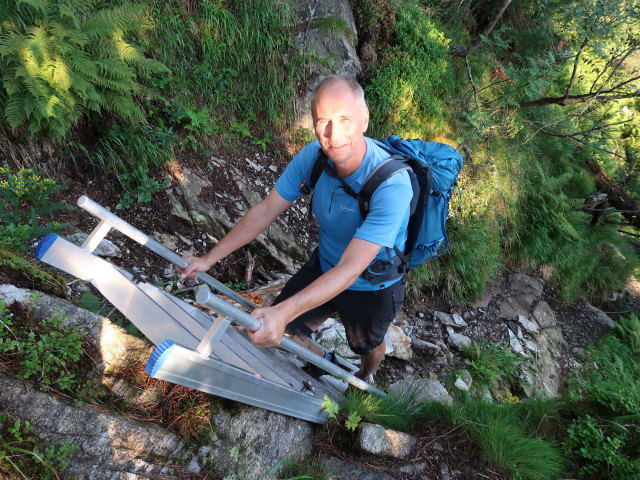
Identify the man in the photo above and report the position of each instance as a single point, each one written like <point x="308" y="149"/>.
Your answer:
<point x="331" y="281"/>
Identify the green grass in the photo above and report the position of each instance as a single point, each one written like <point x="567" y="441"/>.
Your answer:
<point x="503" y="437"/>
<point x="407" y="91"/>
<point x="395" y="412"/>
<point x="238" y="56"/>
<point x="490" y="363"/>
<point x="461" y="274"/>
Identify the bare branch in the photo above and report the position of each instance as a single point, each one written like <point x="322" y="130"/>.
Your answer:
<point x="473" y="85"/>
<point x="576" y="99"/>
<point x="460" y="51"/>
<point x="576" y="61"/>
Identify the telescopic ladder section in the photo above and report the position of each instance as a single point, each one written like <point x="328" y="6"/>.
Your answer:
<point x="194" y="348"/>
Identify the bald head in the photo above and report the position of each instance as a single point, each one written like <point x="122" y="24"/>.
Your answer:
<point x="333" y="81"/>
<point x="340" y="119"/>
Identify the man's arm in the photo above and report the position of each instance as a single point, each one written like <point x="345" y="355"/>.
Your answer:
<point x="357" y="256"/>
<point x="254" y="222"/>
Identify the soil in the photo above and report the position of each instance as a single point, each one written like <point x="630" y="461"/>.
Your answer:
<point x="438" y="444"/>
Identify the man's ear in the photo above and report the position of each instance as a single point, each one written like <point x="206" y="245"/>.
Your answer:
<point x="365" y="119"/>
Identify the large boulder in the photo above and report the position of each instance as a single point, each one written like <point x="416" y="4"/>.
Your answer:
<point x="117" y="348"/>
<point x="247" y="443"/>
<point x="327" y="33"/>
<point x="109" y="446"/>
<point x="217" y="218"/>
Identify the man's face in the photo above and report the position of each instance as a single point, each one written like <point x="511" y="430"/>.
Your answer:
<point x="340" y="119"/>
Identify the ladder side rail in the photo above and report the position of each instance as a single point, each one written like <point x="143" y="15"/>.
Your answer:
<point x="130" y="231"/>
<point x="208" y="299"/>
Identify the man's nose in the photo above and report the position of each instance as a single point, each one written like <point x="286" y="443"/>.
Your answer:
<point x="331" y="130"/>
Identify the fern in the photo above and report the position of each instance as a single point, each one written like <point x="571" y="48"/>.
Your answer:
<point x="61" y="59"/>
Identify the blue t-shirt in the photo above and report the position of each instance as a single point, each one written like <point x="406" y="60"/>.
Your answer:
<point x="338" y="213"/>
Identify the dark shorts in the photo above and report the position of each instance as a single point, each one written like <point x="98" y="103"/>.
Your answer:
<point x="366" y="316"/>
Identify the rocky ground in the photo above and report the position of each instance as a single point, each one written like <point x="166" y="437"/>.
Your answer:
<point x="517" y="310"/>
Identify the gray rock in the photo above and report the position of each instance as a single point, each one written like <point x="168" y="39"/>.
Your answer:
<point x="339" y="46"/>
<point x="216" y="221"/>
<point x="400" y="343"/>
<point x="517" y="305"/>
<point x="461" y="385"/>
<point x="414" y="469"/>
<point x="342" y="470"/>
<point x="531" y="346"/>
<point x="459" y="341"/>
<point x="447" y="319"/>
<point x="105" y="248"/>
<point x="550" y="345"/>
<point x="251" y="441"/>
<point x="334" y="338"/>
<point x="423" y="345"/>
<point x="544" y="315"/>
<point x="110" y="446"/>
<point x="458" y="320"/>
<point x="526" y="284"/>
<point x="600" y="316"/>
<point x="528" y="325"/>
<point x="378" y="440"/>
<point x="169" y="273"/>
<point x="10" y="294"/>
<point x="466" y="376"/>
<point x="421" y="389"/>
<point x="444" y="472"/>
<point x="515" y="344"/>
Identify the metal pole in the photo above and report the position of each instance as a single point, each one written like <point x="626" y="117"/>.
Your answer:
<point x="116" y="222"/>
<point x="205" y="297"/>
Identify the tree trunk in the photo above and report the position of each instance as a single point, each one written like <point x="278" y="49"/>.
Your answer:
<point x="461" y="51"/>
<point x="617" y="197"/>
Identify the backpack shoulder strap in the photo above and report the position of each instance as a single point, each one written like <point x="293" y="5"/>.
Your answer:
<point x="379" y="174"/>
<point x="318" y="166"/>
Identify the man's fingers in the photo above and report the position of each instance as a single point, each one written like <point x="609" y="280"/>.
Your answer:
<point x="188" y="271"/>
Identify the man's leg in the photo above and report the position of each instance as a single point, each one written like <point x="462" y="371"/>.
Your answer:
<point x="366" y="316"/>
<point x="371" y="361"/>
<point x="301" y="328"/>
<point x="304" y="339"/>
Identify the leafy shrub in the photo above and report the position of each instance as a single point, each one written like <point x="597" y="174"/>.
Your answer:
<point x="605" y="438"/>
<point x="139" y="187"/>
<point x="24" y="198"/>
<point x="611" y="379"/>
<point x="606" y="449"/>
<point x="63" y="59"/>
<point x="44" y="351"/>
<point x="549" y="230"/>
<point x="21" y="453"/>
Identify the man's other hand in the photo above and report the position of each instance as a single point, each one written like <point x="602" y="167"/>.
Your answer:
<point x="195" y="265"/>
<point x="272" y="329"/>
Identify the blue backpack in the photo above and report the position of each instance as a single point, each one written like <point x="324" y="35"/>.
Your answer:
<point x="433" y="168"/>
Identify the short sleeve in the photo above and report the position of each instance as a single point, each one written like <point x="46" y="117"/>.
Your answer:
<point x="299" y="169"/>
<point x="389" y="211"/>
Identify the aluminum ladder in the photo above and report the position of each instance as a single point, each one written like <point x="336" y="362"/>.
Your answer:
<point x="194" y="348"/>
